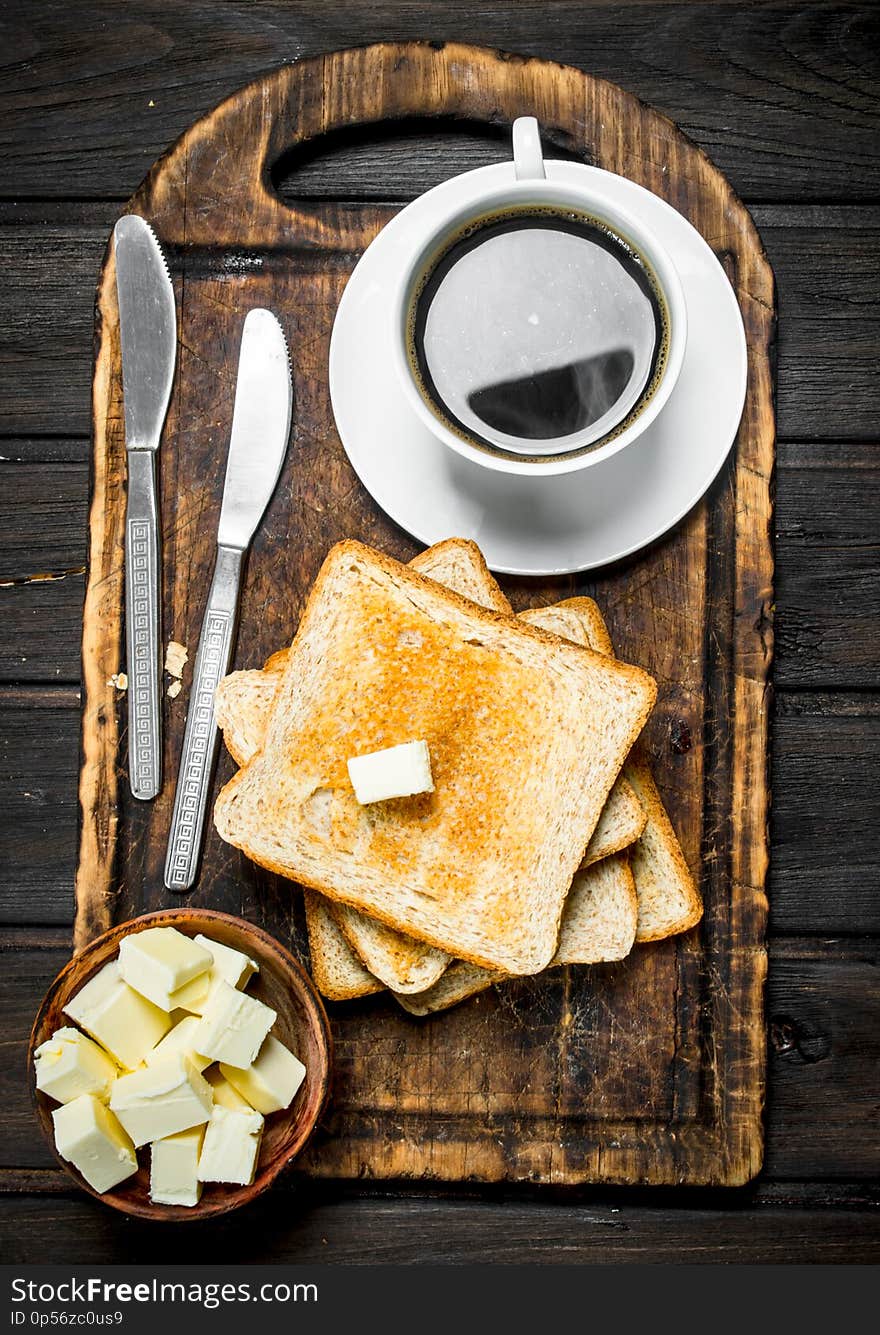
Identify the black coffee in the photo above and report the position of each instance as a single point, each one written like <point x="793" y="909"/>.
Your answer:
<point x="535" y="325"/>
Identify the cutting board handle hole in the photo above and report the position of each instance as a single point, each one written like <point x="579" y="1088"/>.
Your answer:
<point x="397" y="159"/>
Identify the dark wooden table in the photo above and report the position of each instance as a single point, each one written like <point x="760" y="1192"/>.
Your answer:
<point x="784" y="97"/>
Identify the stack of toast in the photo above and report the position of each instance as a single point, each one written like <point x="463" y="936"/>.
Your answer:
<point x="545" y="840"/>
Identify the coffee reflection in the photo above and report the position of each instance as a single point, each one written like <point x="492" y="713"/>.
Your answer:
<point x="537" y="325"/>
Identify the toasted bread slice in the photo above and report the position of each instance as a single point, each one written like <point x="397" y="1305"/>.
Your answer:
<point x="598" y="926"/>
<point x="459" y="564"/>
<point x="527" y="734"/>
<point x="391" y="957"/>
<point x="669" y="901"/>
<point x="242" y="705"/>
<point x="460" y="981"/>
<point x="341" y="947"/>
<point x="623" y="817"/>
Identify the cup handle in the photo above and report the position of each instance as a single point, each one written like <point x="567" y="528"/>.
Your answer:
<point x="528" y="160"/>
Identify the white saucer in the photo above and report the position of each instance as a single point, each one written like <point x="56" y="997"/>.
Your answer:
<point x="533" y="525"/>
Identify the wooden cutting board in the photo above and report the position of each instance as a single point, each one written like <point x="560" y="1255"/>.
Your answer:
<point x="647" y="1071"/>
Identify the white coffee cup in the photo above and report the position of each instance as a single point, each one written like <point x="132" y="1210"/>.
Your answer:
<point x="529" y="186"/>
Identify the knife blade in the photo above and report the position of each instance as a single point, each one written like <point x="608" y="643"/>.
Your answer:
<point x="148" y="335"/>
<point x="257" y="446"/>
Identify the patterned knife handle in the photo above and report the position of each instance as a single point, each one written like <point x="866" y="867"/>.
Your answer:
<point x="200" y="739"/>
<point x="142" y="631"/>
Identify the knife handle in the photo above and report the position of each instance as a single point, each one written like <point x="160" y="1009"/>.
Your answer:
<point x="142" y="631"/>
<point x="200" y="739"/>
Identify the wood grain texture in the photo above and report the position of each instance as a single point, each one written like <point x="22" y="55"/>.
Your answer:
<point x="573" y="1097"/>
<point x="782" y="95"/>
<point x="303" y="1229"/>
<point x="828" y="567"/>
<point x="827" y="564"/>
<point x="42" y="520"/>
<point x="30" y="960"/>
<point x="38" y="795"/>
<point x="42" y="622"/>
<point x="826" y="799"/>
<point x="822" y="1005"/>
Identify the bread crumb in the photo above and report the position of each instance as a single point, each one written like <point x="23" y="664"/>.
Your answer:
<point x="176" y="656"/>
<point x="174" y="689"/>
<point x="119" y="680"/>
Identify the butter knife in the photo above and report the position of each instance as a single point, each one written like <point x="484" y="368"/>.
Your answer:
<point x="148" y="333"/>
<point x="257" y="446"/>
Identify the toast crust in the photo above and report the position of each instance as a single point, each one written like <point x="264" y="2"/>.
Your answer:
<point x="480" y="653"/>
<point x="396" y="960"/>
<point x="328" y="948"/>
<point x="622" y="821"/>
<point x="659" y="863"/>
<point x="669" y="900"/>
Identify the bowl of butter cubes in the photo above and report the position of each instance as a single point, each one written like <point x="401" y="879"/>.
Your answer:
<point x="179" y="1063"/>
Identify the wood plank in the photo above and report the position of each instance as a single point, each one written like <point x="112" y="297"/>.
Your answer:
<point x="43" y="534"/>
<point x="827" y="566"/>
<point x="823" y="1013"/>
<point x="782" y="97"/>
<point x="43" y="520"/>
<point x="825" y="813"/>
<point x="40" y="748"/>
<point x="29" y="963"/>
<point x="46" y="350"/>
<point x="829" y="326"/>
<point x="763" y="1194"/>
<point x="305" y="1230"/>
<point x="43" y="449"/>
<point x="42" y="628"/>
<point x="825" y="261"/>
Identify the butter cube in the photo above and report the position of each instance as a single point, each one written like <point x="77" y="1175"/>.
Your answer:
<point x="233" y="1026"/>
<point x="273" y="1079"/>
<point x="160" y="961"/>
<point x="192" y="996"/>
<point x="236" y="967"/>
<point x="174" y="1168"/>
<point x="162" y="1099"/>
<point x="68" y="1064"/>
<point x="232" y="1143"/>
<point x="90" y="1137"/>
<point x="179" y="1039"/>
<point x="225" y="1094"/>
<point x="117" y="1017"/>
<point x="397" y="771"/>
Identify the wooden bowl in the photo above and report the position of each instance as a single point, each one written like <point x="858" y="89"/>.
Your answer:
<point x="301" y="1025"/>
